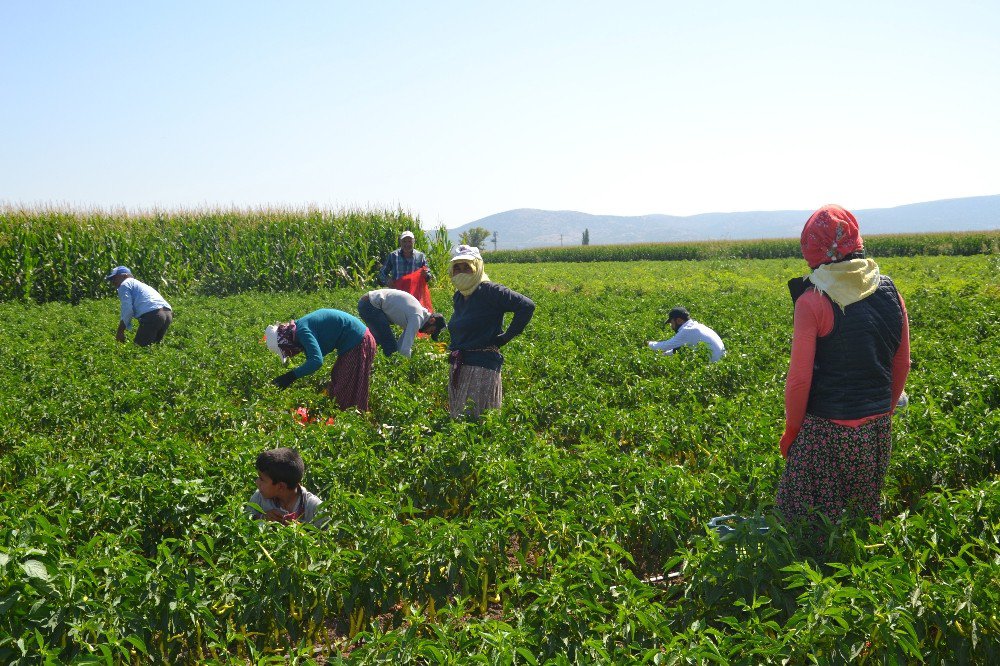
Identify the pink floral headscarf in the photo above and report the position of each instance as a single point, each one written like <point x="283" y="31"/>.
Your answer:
<point x="830" y="234"/>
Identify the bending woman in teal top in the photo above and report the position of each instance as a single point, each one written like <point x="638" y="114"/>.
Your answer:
<point x="318" y="334"/>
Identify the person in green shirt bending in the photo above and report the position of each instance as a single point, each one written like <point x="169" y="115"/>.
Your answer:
<point x="317" y="334"/>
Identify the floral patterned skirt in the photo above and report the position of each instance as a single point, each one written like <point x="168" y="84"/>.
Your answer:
<point x="833" y="468"/>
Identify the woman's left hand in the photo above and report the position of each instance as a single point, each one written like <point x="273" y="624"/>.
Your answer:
<point x="285" y="380"/>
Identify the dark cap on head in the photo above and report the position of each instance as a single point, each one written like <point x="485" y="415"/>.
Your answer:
<point x="439" y="324"/>
<point x="679" y="311"/>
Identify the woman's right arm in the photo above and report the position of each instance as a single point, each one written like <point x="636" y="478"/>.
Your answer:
<point x="314" y="355"/>
<point x="813" y="318"/>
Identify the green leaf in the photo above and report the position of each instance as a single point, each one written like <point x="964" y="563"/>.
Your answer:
<point x="35" y="569"/>
<point x="528" y="657"/>
<point x="137" y="643"/>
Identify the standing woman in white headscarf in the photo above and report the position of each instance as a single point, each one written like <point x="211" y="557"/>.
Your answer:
<point x="477" y="333"/>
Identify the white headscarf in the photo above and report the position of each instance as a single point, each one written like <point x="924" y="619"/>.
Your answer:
<point x="271" y="338"/>
<point x="467" y="283"/>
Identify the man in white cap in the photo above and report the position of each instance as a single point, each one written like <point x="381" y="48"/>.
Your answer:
<point x="142" y="302"/>
<point x="403" y="262"/>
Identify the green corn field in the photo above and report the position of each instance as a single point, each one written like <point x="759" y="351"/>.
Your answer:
<point x="53" y="255"/>
<point x="895" y="245"/>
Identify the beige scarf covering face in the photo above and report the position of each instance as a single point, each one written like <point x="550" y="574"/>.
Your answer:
<point x="467" y="283"/>
<point x="847" y="282"/>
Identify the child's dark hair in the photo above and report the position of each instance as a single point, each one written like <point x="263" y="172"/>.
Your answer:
<point x="282" y="465"/>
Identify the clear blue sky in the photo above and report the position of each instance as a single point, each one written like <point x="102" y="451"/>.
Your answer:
<point x="458" y="110"/>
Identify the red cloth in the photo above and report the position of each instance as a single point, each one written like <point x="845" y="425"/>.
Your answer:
<point x="830" y="234"/>
<point x="415" y="284"/>
<point x="814" y="319"/>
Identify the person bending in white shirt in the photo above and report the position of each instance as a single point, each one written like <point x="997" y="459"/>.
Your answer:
<point x="689" y="333"/>
<point x="382" y="307"/>
<point x="142" y="302"/>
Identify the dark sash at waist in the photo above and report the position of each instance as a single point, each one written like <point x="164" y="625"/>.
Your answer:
<point x="487" y="357"/>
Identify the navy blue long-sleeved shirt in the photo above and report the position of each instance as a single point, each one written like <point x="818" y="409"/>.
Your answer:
<point x="477" y="322"/>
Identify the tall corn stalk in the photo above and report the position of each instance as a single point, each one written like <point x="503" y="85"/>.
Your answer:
<point x="49" y="254"/>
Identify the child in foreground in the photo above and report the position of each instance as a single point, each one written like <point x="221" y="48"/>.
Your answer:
<point x="280" y="493"/>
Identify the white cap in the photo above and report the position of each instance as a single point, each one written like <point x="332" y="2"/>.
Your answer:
<point x="406" y="234"/>
<point x="465" y="253"/>
<point x="271" y="338"/>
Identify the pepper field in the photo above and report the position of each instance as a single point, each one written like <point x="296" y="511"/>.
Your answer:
<point x="533" y="536"/>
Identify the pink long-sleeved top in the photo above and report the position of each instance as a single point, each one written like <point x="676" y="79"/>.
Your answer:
<point x="814" y="319"/>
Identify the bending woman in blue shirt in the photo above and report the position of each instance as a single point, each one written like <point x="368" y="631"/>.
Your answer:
<point x="477" y="333"/>
<point x="318" y="334"/>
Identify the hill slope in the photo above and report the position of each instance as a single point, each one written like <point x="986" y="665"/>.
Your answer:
<point x="530" y="227"/>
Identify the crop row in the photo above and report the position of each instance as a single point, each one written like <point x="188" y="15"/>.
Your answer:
<point x="896" y="245"/>
<point x="527" y="537"/>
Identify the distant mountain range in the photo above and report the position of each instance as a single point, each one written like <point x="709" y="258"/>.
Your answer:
<point x="530" y="227"/>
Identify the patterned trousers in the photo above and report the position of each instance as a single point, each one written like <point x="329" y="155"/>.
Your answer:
<point x="350" y="379"/>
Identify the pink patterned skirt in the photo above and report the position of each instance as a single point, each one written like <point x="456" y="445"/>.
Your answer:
<point x="350" y="379"/>
<point x="833" y="468"/>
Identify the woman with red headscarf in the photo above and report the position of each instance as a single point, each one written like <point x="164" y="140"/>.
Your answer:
<point x="850" y="358"/>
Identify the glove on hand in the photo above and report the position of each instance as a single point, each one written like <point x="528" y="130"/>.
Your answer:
<point x="285" y="380"/>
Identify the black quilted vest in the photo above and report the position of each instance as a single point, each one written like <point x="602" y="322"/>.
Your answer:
<point x="852" y="374"/>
